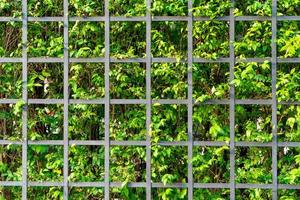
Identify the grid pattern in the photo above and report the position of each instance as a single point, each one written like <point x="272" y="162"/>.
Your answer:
<point x="107" y="101"/>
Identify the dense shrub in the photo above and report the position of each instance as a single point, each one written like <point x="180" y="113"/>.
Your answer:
<point x="252" y="80"/>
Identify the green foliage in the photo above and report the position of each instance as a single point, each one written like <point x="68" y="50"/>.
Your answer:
<point x="289" y="165"/>
<point x="38" y="8"/>
<point x="169" y="81"/>
<point x="10" y="121"/>
<point x="169" y="7"/>
<point x="253" y="165"/>
<point x="128" y="40"/>
<point x="86" y="8"/>
<point x="45" y="39"/>
<point x="127" y="7"/>
<point x="253" y="80"/>
<point x="128" y="80"/>
<point x="169" y="39"/>
<point x="10" y="80"/>
<point x="169" y="193"/>
<point x="45" y="80"/>
<point x="45" y="163"/>
<point x="218" y="194"/>
<point x="86" y="39"/>
<point x="288" y="7"/>
<point x="253" y="7"/>
<point x="86" y="81"/>
<point x="86" y="193"/>
<point x="253" y="39"/>
<point x="86" y="164"/>
<point x="211" y="8"/>
<point x="288" y="123"/>
<point x="164" y="168"/>
<point x="128" y="164"/>
<point x="211" y="164"/>
<point x="289" y="39"/>
<point x="11" y="8"/>
<point x="253" y="123"/>
<point x="211" y="39"/>
<point x="288" y="82"/>
<point x="45" y="193"/>
<point x="91" y="117"/>
<point x="169" y="123"/>
<point x="45" y="122"/>
<point x="10" y="163"/>
<point x="128" y="122"/>
<point x="259" y="194"/>
<point x="210" y="81"/>
<point x="211" y="123"/>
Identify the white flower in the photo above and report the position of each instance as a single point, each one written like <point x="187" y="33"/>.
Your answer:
<point x="285" y="150"/>
<point x="258" y="122"/>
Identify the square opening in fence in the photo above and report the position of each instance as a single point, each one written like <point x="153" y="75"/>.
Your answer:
<point x="127" y="192"/>
<point x="288" y="82"/>
<point x="253" y="123"/>
<point x="11" y="192"/>
<point x="45" y="163"/>
<point x="169" y="39"/>
<point x="89" y="116"/>
<point x="51" y="8"/>
<point x="256" y="193"/>
<point x="288" y="165"/>
<point x="169" y="122"/>
<point x="214" y="193"/>
<point x="10" y="81"/>
<point x="288" y="123"/>
<point x="127" y="122"/>
<point x="128" y="80"/>
<point x="11" y="8"/>
<point x="10" y="163"/>
<point x="45" y="122"/>
<point x="169" y="8"/>
<point x="45" y="81"/>
<point x="86" y="81"/>
<point x="289" y="194"/>
<point x="253" y="80"/>
<point x="127" y="164"/>
<point x="45" y="39"/>
<point x="212" y="9"/>
<point x="253" y="8"/>
<point x="86" y="8"/>
<point x="86" y="192"/>
<point x="169" y="81"/>
<point x="289" y="8"/>
<point x="169" y="164"/>
<point x="38" y="192"/>
<point x="169" y="193"/>
<point x="210" y="81"/>
<point x="211" y="39"/>
<point x="86" y="163"/>
<point x="10" y="39"/>
<point x="288" y="39"/>
<point x="211" y="123"/>
<point x="253" y="39"/>
<point x="86" y="39"/>
<point x="11" y="121"/>
<point x="127" y="7"/>
<point x="127" y="39"/>
<point x="253" y="165"/>
<point x="211" y="164"/>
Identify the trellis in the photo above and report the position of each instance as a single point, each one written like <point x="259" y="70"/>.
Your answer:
<point x="107" y="101"/>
